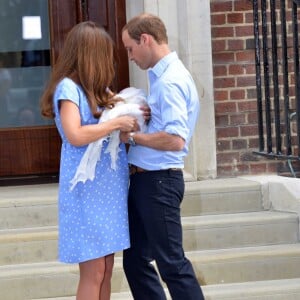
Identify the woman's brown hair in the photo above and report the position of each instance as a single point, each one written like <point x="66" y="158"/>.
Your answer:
<point x="87" y="58"/>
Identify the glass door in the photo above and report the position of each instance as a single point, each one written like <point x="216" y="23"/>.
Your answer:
<point x="24" y="61"/>
<point x="32" y="34"/>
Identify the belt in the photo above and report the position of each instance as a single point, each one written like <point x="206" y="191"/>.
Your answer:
<point x="135" y="169"/>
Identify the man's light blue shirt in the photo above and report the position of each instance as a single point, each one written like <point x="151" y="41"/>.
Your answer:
<point x="175" y="107"/>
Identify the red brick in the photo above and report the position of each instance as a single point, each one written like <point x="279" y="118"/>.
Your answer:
<point x="250" y="69"/>
<point x="254" y="143"/>
<point x="237" y="94"/>
<point x="249" y="17"/>
<point x="222" y="32"/>
<point x="224" y="171"/>
<point x="245" y="56"/>
<point x="249" y="156"/>
<point x="242" y="5"/>
<point x="223" y="145"/>
<point x="251" y="93"/>
<point x="250" y="43"/>
<point x="227" y="132"/>
<point x="242" y="169"/>
<point x="219" y="19"/>
<point x="236" y="70"/>
<point x="225" y="107"/>
<point x="253" y="117"/>
<point x="235" y="18"/>
<point x="235" y="44"/>
<point x="246" y="106"/>
<point x="239" y="144"/>
<point x="246" y="81"/>
<point x="258" y="168"/>
<point x="223" y="57"/>
<point x="228" y="157"/>
<point x="220" y="6"/>
<point x="222" y="120"/>
<point x="224" y="82"/>
<point x="221" y="95"/>
<point x="244" y="31"/>
<point x="273" y="167"/>
<point x="220" y="70"/>
<point x="218" y="45"/>
<point x="248" y="130"/>
<point x="238" y="119"/>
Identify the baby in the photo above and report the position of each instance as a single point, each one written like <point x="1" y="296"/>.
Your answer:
<point x="133" y="99"/>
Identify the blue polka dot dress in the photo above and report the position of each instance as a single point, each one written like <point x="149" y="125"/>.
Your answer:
<point x="93" y="219"/>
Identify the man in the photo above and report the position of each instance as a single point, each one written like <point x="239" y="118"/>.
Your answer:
<point x="156" y="160"/>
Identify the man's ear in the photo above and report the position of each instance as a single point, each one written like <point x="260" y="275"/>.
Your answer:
<point x="144" y="39"/>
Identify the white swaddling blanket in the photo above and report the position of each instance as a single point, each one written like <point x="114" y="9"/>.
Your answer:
<point x="133" y="99"/>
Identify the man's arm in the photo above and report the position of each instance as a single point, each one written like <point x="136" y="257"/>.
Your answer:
<point x="159" y="140"/>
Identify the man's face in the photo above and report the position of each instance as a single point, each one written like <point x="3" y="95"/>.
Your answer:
<point x="137" y="51"/>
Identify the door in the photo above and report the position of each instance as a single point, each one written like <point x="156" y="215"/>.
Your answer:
<point x="32" y="34"/>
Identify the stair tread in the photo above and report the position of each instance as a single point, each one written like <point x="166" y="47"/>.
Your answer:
<point x="43" y="193"/>
<point x="242" y="218"/>
<point x="266" y="287"/>
<point x="213" y="185"/>
<point x="256" y="252"/>
<point x="28" y="194"/>
<point x="54" y="267"/>
<point x="223" y="185"/>
<point x="226" y="207"/>
<point x="259" y="287"/>
<point x="188" y="221"/>
<point x="30" y="233"/>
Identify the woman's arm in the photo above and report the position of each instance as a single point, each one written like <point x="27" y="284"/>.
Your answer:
<point x="79" y="135"/>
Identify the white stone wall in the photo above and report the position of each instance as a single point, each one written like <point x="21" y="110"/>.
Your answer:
<point x="188" y="26"/>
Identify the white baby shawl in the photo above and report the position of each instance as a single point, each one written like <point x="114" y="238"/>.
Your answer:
<point x="133" y="99"/>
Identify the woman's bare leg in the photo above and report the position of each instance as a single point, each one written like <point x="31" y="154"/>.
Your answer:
<point x="92" y="273"/>
<point x="105" y="290"/>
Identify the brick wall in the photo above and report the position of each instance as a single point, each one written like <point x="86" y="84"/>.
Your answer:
<point x="235" y="91"/>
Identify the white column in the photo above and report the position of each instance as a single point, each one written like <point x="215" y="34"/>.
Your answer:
<point x="189" y="31"/>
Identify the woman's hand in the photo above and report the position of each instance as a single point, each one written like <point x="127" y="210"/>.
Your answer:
<point x="127" y="123"/>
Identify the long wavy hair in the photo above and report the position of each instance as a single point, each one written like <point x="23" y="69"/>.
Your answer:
<point x="87" y="58"/>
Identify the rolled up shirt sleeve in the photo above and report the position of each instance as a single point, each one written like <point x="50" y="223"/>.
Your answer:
<point x="174" y="111"/>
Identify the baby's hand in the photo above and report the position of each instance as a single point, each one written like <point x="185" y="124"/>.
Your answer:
<point x="146" y="112"/>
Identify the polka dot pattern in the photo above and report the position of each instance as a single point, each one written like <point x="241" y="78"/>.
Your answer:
<point x="93" y="219"/>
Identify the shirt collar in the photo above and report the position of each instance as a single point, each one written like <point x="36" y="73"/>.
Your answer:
<point x="161" y="65"/>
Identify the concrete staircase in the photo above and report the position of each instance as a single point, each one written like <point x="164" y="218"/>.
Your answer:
<point x="238" y="249"/>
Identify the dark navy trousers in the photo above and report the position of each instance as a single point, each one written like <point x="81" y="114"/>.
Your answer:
<point x="156" y="235"/>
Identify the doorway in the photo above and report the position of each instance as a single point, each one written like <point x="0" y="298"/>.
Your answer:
<point x="32" y="34"/>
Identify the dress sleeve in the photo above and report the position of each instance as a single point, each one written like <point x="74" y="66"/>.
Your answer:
<point x="66" y="90"/>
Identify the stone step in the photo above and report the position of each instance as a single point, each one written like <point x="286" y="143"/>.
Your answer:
<point x="284" y="289"/>
<point x="39" y="244"/>
<point x="240" y="229"/>
<point x="28" y="206"/>
<point x="212" y="267"/>
<point x="27" y="245"/>
<point x="246" y="264"/>
<point x="225" y="195"/>
<point x="36" y="205"/>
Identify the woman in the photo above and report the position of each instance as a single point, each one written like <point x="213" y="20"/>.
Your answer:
<point x="93" y="222"/>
